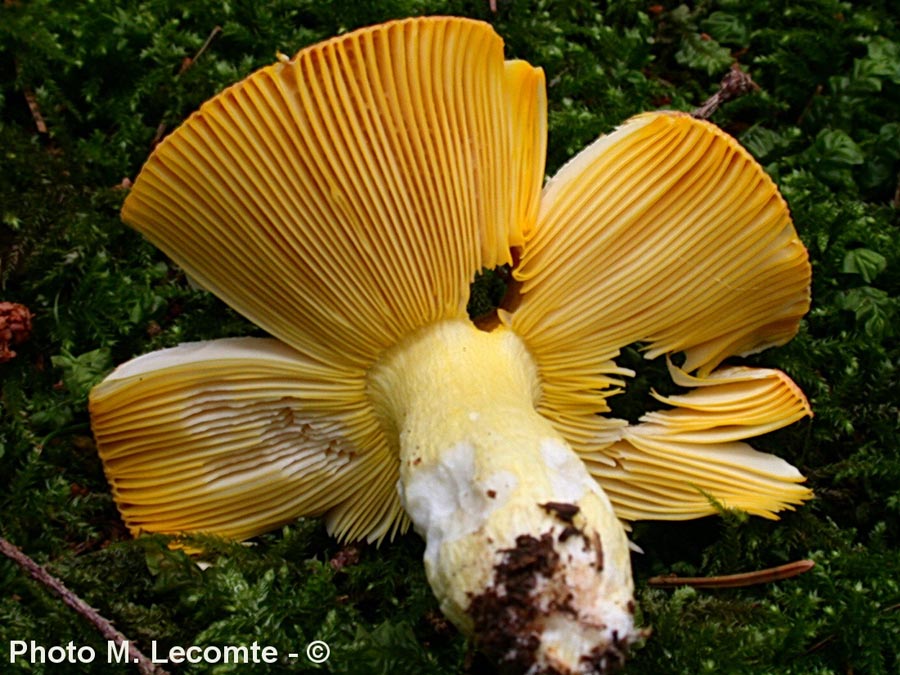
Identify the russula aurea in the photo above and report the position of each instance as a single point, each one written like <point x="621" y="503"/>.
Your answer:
<point x="343" y="200"/>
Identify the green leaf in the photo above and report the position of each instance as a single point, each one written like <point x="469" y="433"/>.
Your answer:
<point x="726" y="27"/>
<point x="762" y="142"/>
<point x="873" y="308"/>
<point x="889" y="140"/>
<point x="836" y="147"/>
<point x="864" y="262"/>
<point x="882" y="60"/>
<point x="82" y="372"/>
<point x="701" y="52"/>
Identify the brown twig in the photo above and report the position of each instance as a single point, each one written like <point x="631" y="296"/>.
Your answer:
<point x="30" y="97"/>
<point x="827" y="639"/>
<point x="821" y="643"/>
<point x="42" y="576"/>
<point x="188" y="62"/>
<point x="185" y="66"/>
<point x="735" y="84"/>
<point x="809" y="104"/>
<point x="735" y="580"/>
<point x="35" y="111"/>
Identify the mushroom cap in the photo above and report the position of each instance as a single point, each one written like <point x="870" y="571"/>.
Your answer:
<point x="237" y="436"/>
<point x="344" y="198"/>
<point x="667" y="233"/>
<point x="340" y="200"/>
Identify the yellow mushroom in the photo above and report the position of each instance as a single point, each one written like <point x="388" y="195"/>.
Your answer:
<point x="343" y="200"/>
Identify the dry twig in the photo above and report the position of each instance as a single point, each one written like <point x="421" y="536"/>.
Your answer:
<point x="35" y="111"/>
<point x="188" y="62"/>
<point x="29" y="94"/>
<point x="144" y="665"/>
<point x="735" y="84"/>
<point x="185" y="66"/>
<point x="735" y="580"/>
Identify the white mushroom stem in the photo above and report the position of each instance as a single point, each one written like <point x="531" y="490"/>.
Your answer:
<point x="523" y="548"/>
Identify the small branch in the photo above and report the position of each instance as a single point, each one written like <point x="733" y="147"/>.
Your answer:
<point x="185" y="66"/>
<point x="734" y="85"/>
<point x="35" y="111"/>
<point x="158" y="136"/>
<point x="809" y="104"/>
<point x="735" y="580"/>
<point x="188" y="62"/>
<point x="821" y="643"/>
<point x="39" y="574"/>
<point x="30" y="98"/>
<point x="824" y="641"/>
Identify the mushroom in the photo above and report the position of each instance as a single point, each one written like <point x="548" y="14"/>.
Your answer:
<point x="343" y="200"/>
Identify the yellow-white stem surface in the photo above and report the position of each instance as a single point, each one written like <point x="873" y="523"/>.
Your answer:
<point x="523" y="547"/>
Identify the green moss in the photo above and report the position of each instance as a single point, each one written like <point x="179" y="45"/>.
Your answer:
<point x="109" y="78"/>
